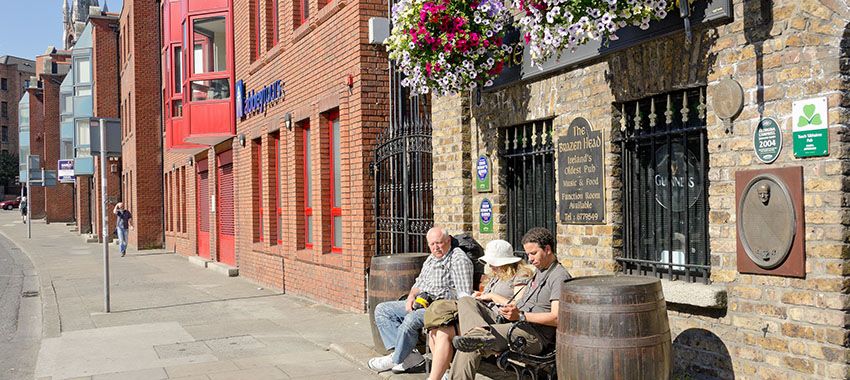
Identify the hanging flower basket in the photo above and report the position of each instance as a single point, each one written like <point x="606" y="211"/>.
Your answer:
<point x="448" y="46"/>
<point x="552" y="26"/>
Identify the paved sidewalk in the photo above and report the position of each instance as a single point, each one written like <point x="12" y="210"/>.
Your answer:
<point x="172" y="319"/>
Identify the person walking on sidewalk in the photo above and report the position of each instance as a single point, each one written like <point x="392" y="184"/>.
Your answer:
<point x="446" y="274"/>
<point x="485" y="333"/>
<point x="122" y="225"/>
<point x="23" y="207"/>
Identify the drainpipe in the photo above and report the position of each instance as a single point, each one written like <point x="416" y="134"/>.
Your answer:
<point x="161" y="129"/>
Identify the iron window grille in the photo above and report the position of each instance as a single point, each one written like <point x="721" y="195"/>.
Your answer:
<point x="665" y="185"/>
<point x="529" y="159"/>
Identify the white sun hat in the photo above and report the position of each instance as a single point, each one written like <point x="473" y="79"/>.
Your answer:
<point x="498" y="253"/>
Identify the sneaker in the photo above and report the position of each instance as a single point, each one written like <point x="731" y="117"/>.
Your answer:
<point x="413" y="360"/>
<point x="381" y="363"/>
<point x="474" y="340"/>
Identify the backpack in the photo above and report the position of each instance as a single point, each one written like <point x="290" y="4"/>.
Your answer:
<point x="473" y="250"/>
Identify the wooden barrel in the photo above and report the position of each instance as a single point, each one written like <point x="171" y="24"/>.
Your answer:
<point x="613" y="327"/>
<point x="391" y="277"/>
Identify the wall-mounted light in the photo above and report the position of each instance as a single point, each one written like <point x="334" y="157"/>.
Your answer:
<point x="287" y="121"/>
<point x="241" y="139"/>
<point x="173" y="166"/>
<point x="190" y="161"/>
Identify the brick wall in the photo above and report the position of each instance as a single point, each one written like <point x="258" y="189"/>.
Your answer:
<point x="141" y="145"/>
<point x="315" y="60"/>
<point x="59" y="199"/>
<point x="35" y="199"/>
<point x="772" y="327"/>
<point x="12" y="96"/>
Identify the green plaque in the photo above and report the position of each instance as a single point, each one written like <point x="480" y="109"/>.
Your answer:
<point x="483" y="175"/>
<point x="485" y="213"/>
<point x="810" y="128"/>
<point x="767" y="140"/>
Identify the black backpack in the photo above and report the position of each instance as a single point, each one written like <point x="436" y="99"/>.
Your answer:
<point x="473" y="250"/>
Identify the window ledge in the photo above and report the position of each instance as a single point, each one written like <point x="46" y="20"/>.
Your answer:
<point x="699" y="295"/>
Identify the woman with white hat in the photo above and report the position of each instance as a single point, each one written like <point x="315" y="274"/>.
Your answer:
<point x="508" y="276"/>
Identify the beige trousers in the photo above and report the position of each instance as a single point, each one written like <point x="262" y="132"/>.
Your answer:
<point x="473" y="313"/>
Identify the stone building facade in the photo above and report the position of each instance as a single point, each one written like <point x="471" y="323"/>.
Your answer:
<point x="738" y="325"/>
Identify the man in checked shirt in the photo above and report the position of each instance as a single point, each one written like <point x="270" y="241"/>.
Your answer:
<point x="446" y="274"/>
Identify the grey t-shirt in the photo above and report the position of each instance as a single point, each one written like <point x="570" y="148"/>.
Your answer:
<point x="543" y="289"/>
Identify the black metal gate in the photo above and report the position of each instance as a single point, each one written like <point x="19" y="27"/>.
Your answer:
<point x="530" y="163"/>
<point x="402" y="170"/>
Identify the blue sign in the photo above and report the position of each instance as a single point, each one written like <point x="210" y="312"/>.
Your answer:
<point x="485" y="212"/>
<point x="256" y="101"/>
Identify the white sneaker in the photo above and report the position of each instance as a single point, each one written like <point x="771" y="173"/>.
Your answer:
<point x="413" y="360"/>
<point x="381" y="363"/>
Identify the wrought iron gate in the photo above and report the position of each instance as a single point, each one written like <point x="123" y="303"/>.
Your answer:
<point x="402" y="171"/>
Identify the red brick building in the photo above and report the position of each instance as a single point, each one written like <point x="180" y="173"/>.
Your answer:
<point x="15" y="74"/>
<point x="301" y="194"/>
<point x="54" y="203"/>
<point x="141" y="147"/>
<point x="100" y="53"/>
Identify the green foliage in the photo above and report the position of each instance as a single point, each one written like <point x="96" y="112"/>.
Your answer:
<point x="8" y="168"/>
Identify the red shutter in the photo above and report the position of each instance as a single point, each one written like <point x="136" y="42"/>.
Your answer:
<point x="204" y="201"/>
<point x="226" y="198"/>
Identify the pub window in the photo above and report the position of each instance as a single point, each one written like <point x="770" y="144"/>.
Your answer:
<point x="4" y="84"/>
<point x="665" y="185"/>
<point x="305" y="10"/>
<point x="257" y="152"/>
<point x="4" y="109"/>
<point x="183" y="199"/>
<point x="179" y="205"/>
<point x="5" y="134"/>
<point x="529" y="163"/>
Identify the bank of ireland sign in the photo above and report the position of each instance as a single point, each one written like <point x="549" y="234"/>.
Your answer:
<point x="811" y="127"/>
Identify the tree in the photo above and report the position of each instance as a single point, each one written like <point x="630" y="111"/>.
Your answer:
<point x="8" y="168"/>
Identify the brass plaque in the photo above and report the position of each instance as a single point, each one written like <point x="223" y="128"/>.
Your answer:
<point x="770" y="235"/>
<point x="767" y="221"/>
<point x="727" y="99"/>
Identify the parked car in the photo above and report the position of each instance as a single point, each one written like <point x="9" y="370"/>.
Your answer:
<point x="10" y="204"/>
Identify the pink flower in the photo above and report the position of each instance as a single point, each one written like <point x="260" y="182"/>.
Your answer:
<point x="527" y="38"/>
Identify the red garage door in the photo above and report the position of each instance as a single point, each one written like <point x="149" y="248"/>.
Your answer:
<point x="226" y="225"/>
<point x="202" y="181"/>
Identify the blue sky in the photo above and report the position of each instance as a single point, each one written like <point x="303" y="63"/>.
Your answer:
<point x="32" y="25"/>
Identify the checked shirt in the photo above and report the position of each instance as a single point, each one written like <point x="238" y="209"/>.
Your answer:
<point x="449" y="277"/>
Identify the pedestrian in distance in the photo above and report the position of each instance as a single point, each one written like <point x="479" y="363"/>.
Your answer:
<point x="23" y="207"/>
<point x="122" y="225"/>
<point x="446" y="274"/>
<point x="485" y="331"/>
<point x="509" y="275"/>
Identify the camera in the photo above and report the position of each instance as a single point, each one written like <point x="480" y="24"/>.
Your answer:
<point x="422" y="300"/>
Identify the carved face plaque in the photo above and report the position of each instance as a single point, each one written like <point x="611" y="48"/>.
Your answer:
<point x="767" y="221"/>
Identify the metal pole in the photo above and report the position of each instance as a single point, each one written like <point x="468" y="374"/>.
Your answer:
<point x="103" y="214"/>
<point x="29" y="200"/>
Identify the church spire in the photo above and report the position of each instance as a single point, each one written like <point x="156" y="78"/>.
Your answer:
<point x="105" y="6"/>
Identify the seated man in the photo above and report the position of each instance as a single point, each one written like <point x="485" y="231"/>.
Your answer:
<point x="484" y="332"/>
<point x="446" y="274"/>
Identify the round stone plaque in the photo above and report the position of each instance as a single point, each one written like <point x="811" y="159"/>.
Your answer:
<point x="766" y="221"/>
<point x="767" y="140"/>
<point x="728" y="99"/>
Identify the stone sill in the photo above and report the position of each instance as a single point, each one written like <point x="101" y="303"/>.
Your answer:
<point x="694" y="294"/>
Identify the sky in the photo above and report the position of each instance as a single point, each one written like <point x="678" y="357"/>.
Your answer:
<point x="30" y="26"/>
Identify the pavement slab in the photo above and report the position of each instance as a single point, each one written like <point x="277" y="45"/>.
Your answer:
<point x="110" y="350"/>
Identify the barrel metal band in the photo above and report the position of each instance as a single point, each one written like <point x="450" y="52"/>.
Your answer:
<point x="616" y="309"/>
<point x="599" y="342"/>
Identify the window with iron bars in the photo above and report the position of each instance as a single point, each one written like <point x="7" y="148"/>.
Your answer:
<point x="665" y="185"/>
<point x="529" y="159"/>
